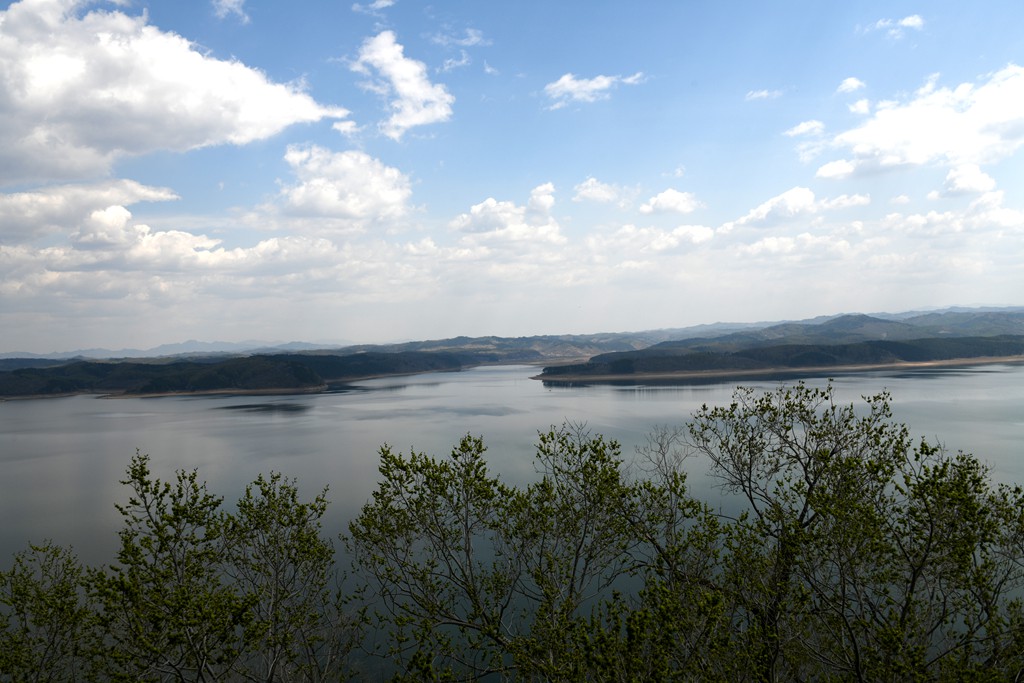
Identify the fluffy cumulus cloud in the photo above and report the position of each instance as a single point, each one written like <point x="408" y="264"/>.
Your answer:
<point x="968" y="179"/>
<point x="100" y="260"/>
<point x="413" y="99"/>
<point x="69" y="72"/>
<point x="26" y="216"/>
<point x="793" y="204"/>
<point x="504" y="223"/>
<point x="985" y="221"/>
<point x="671" y="200"/>
<point x="789" y="204"/>
<point x="344" y="185"/>
<point x="569" y="88"/>
<point x="967" y="124"/>
<point x="593" y="190"/>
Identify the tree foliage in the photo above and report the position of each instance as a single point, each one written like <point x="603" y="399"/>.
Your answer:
<point x="197" y="593"/>
<point x="854" y="554"/>
<point x="46" y="622"/>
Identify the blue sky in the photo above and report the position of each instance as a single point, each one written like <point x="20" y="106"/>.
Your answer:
<point x="388" y="170"/>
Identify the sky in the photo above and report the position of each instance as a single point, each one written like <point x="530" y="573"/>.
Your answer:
<point x="230" y="170"/>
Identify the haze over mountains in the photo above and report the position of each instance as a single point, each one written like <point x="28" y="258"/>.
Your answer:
<point x="958" y="321"/>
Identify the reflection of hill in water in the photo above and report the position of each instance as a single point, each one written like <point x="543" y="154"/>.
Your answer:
<point x="284" y="408"/>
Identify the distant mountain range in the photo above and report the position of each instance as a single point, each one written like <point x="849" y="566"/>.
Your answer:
<point x="841" y="341"/>
<point x="187" y="348"/>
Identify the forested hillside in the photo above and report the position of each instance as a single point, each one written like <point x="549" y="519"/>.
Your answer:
<point x="281" y="373"/>
<point x="841" y="342"/>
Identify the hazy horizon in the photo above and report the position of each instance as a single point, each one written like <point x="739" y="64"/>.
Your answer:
<point x="219" y="345"/>
<point x="248" y="169"/>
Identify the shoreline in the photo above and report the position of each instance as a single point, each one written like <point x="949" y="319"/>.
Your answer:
<point x="686" y="376"/>
<point x="677" y="377"/>
<point x="327" y="386"/>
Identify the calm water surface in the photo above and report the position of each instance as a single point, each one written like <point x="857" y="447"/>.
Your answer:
<point x="61" y="459"/>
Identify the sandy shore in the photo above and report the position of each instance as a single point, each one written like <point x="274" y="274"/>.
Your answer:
<point x="769" y="373"/>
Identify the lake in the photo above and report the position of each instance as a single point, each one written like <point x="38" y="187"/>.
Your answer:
<point x="61" y="459"/>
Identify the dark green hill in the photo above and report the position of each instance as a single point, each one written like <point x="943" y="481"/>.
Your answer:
<point x="791" y="356"/>
<point x="285" y="372"/>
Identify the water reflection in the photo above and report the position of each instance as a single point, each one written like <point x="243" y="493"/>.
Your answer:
<point x="281" y="408"/>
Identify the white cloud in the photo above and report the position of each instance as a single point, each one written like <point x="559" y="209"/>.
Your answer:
<point x="453" y="63"/>
<point x="496" y="223"/>
<point x="568" y="88"/>
<point x="696" y="234"/>
<point x="763" y="95"/>
<point x="914" y="21"/>
<point x="222" y="8"/>
<point x="968" y="179"/>
<point x="29" y="215"/>
<point x="894" y="28"/>
<point x="472" y="38"/>
<point x="345" y="185"/>
<point x="969" y="124"/>
<point x="806" y="128"/>
<point x="812" y="143"/>
<point x="373" y="7"/>
<point x="68" y="73"/>
<point x="631" y="244"/>
<point x="850" y="84"/>
<point x="542" y="198"/>
<point x="986" y="217"/>
<point x="862" y="106"/>
<point x="594" y="190"/>
<point x="416" y="101"/>
<point x="792" y="204"/>
<point x="671" y="200"/>
<point x="845" y="201"/>
<point x="836" y="170"/>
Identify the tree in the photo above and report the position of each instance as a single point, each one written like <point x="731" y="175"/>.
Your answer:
<point x="45" y="620"/>
<point x="276" y="557"/>
<point x="857" y="554"/>
<point x="474" y="577"/>
<point x="165" y="607"/>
